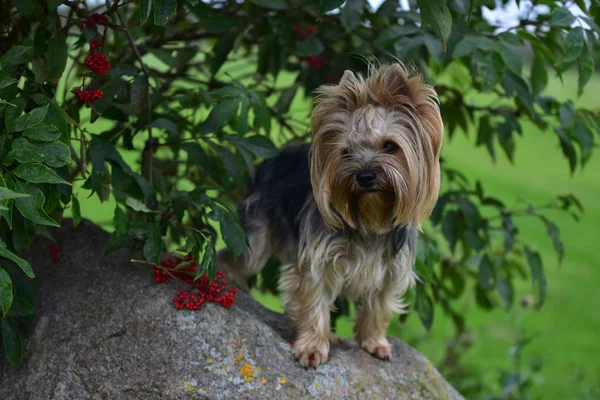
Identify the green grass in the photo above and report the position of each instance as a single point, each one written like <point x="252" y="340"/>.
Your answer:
<point x="568" y="323"/>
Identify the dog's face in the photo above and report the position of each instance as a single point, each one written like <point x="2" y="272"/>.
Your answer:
<point x="375" y="151"/>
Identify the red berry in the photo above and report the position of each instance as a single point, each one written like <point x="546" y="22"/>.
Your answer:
<point x="97" y="62"/>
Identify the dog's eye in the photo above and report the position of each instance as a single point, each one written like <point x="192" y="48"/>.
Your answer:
<point x="390" y="147"/>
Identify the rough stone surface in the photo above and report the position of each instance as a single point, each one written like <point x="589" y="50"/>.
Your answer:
<point x="106" y="330"/>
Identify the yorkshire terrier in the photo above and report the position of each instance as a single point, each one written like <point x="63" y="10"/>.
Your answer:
<point x="343" y="213"/>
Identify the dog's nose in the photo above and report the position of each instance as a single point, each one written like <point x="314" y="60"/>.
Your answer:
<point x="365" y="179"/>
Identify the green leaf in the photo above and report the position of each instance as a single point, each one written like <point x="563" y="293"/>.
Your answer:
<point x="221" y="50"/>
<point x="424" y="307"/>
<point x="471" y="43"/>
<point x="586" y="69"/>
<point x="232" y="164"/>
<point x="233" y="234"/>
<point x="154" y="246"/>
<point x="6" y="80"/>
<point x="24" y="265"/>
<point x="137" y="205"/>
<point x="512" y="58"/>
<point x="436" y="14"/>
<point x="23" y="155"/>
<point x="164" y="10"/>
<point x="22" y="233"/>
<point x="485" y="136"/>
<point x="259" y="145"/>
<point x="55" y="58"/>
<point x="574" y="45"/>
<point x="273" y="4"/>
<point x="12" y="341"/>
<point x="554" y="234"/>
<point x="492" y="70"/>
<point x="539" y="75"/>
<point x="351" y="14"/>
<point x="487" y="275"/>
<point x="507" y="141"/>
<point x="538" y="278"/>
<point x="6" y="193"/>
<point x="285" y="100"/>
<point x="562" y="17"/>
<point x="21" y="308"/>
<point x="506" y="292"/>
<point x="483" y="299"/>
<point x="584" y="137"/>
<point x="138" y="93"/>
<point x="469" y="211"/>
<point x="28" y="120"/>
<point x="262" y="115"/>
<point x="309" y="47"/>
<point x="42" y="133"/>
<point x="6" y="291"/>
<point x="38" y="173"/>
<point x="329" y="5"/>
<point x="514" y="84"/>
<point x="32" y="207"/>
<point x="55" y="154"/>
<point x="16" y="55"/>
<point x="567" y="148"/>
<point x="75" y="211"/>
<point x="451" y="228"/>
<point x="145" y="10"/>
<point x="242" y="125"/>
<point x="6" y="204"/>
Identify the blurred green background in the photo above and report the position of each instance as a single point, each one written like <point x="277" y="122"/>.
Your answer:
<point x="566" y="327"/>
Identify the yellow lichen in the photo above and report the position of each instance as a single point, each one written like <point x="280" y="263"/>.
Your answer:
<point x="263" y="380"/>
<point x="247" y="372"/>
<point x="283" y="380"/>
<point x="316" y="385"/>
<point x="209" y="360"/>
<point x="239" y="357"/>
<point x="189" y="387"/>
<point x="224" y="368"/>
<point x="430" y="368"/>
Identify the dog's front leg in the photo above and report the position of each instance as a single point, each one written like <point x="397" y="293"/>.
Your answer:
<point x="308" y="304"/>
<point x="374" y="316"/>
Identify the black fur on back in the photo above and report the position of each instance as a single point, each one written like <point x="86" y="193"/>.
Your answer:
<point x="283" y="185"/>
<point x="283" y="188"/>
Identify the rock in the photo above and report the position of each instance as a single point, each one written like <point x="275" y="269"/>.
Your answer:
<point x="106" y="330"/>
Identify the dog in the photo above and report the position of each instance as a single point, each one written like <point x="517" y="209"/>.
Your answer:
<point x="343" y="212"/>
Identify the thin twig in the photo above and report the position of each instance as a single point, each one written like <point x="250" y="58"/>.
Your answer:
<point x="149" y="148"/>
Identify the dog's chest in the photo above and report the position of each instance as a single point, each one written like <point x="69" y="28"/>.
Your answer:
<point x="360" y="267"/>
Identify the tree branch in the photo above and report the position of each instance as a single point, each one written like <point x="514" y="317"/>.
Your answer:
<point x="150" y="147"/>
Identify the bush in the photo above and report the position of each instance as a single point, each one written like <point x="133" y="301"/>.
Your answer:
<point x="201" y="91"/>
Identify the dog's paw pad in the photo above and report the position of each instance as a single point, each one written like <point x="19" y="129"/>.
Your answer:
<point x="311" y="357"/>
<point x="380" y="349"/>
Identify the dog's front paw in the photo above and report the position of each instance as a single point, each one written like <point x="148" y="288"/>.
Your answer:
<point x="312" y="354"/>
<point x="379" y="348"/>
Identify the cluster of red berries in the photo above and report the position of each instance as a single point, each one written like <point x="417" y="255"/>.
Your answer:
<point x="87" y="96"/>
<point x="54" y="254"/>
<point x="204" y="291"/>
<point x="304" y="32"/>
<point x="97" y="62"/>
<point x="95" y="19"/>
<point x="315" y="62"/>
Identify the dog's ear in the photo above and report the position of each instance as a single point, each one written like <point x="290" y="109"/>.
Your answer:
<point x="348" y="78"/>
<point x="404" y="89"/>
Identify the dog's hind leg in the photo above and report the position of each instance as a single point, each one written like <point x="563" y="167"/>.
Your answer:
<point x="254" y="257"/>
